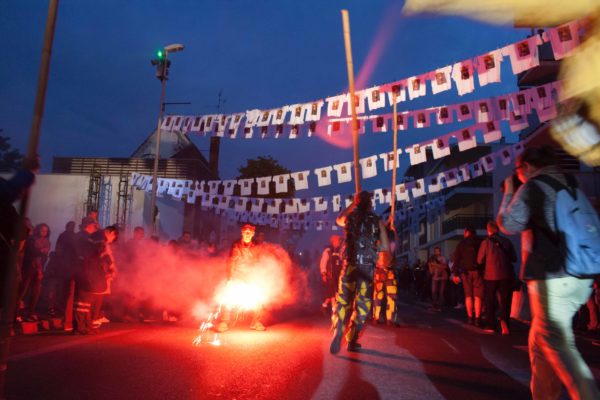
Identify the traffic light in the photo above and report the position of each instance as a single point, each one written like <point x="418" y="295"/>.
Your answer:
<point x="162" y="68"/>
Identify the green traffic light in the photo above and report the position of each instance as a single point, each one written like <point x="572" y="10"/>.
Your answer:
<point x="160" y="54"/>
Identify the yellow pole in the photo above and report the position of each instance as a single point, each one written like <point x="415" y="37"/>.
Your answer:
<point x="395" y="163"/>
<point x="351" y="103"/>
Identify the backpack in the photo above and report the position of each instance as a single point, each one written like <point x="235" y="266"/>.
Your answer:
<point x="577" y="227"/>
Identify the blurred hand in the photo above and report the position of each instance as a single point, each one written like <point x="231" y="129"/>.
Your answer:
<point x="509" y="186"/>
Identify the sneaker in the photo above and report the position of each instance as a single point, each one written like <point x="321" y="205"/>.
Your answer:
<point x="258" y="326"/>
<point x="488" y="329"/>
<point x="103" y="320"/>
<point x="96" y="324"/>
<point x="336" y="342"/>
<point x="222" y="327"/>
<point x="354" y="346"/>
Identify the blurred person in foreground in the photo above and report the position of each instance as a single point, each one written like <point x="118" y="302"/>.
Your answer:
<point x="554" y="295"/>
<point x="365" y="235"/>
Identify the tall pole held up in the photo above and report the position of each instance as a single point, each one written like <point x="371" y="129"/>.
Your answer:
<point x="9" y="295"/>
<point x="351" y="103"/>
<point x="395" y="161"/>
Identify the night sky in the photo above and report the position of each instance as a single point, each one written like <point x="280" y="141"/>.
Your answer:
<point x="103" y="96"/>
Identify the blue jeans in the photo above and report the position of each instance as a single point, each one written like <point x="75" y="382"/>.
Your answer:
<point x="552" y="352"/>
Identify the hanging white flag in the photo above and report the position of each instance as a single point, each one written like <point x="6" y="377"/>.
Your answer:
<point x="488" y="67"/>
<point x="388" y="160"/>
<point x="521" y="103"/>
<point x="483" y="111"/>
<point x="278" y="115"/>
<point x="416" y="86"/>
<point x="517" y="122"/>
<point x="464" y="111"/>
<point x="444" y="115"/>
<point x="523" y="55"/>
<point x="281" y="183"/>
<point x="489" y="162"/>
<point x="491" y="132"/>
<point x="441" y="147"/>
<point x="462" y="73"/>
<point x="323" y="176"/>
<point x="401" y="192"/>
<point x="320" y="203"/>
<point x="417" y="154"/>
<point x="476" y="170"/>
<point x="564" y="39"/>
<point x="368" y="166"/>
<point x="506" y="157"/>
<point x="263" y="185"/>
<point x="397" y="90"/>
<point x="335" y="105"/>
<point x="440" y="79"/>
<point x="375" y="98"/>
<point x="300" y="179"/>
<point x="264" y="119"/>
<point x="464" y="173"/>
<point x="451" y="177"/>
<point x="297" y="114"/>
<point x="466" y="139"/>
<point x="336" y="203"/>
<point x="421" y="118"/>
<point x="313" y="110"/>
<point x="343" y="172"/>
<point x="380" y="123"/>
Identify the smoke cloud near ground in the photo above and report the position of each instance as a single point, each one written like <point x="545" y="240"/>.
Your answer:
<point x="153" y="278"/>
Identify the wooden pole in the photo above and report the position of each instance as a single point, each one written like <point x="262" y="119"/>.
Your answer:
<point x="395" y="163"/>
<point x="351" y="102"/>
<point x="9" y="295"/>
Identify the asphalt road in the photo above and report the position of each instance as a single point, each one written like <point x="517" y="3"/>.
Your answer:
<point x="431" y="356"/>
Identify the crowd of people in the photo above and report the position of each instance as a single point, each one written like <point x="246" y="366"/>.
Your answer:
<point x="360" y="274"/>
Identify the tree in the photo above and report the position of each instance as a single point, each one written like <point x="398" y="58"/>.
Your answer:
<point x="265" y="166"/>
<point x="10" y="159"/>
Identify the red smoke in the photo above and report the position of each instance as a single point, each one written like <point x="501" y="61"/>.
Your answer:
<point x="153" y="278"/>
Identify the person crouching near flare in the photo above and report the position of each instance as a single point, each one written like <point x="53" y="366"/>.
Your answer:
<point x="242" y="258"/>
<point x="365" y="235"/>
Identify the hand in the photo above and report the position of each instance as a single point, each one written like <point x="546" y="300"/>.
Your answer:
<point x="324" y="278"/>
<point x="509" y="185"/>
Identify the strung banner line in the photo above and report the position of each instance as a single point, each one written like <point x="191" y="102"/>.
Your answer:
<point x="405" y="192"/>
<point x="291" y="119"/>
<point x="542" y="98"/>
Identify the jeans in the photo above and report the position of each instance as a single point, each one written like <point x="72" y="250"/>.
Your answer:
<point x="438" y="291"/>
<point x="552" y="352"/>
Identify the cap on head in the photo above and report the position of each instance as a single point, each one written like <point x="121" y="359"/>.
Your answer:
<point x="248" y="227"/>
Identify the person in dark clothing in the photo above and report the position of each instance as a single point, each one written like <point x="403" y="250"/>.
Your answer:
<point x="330" y="267"/>
<point x="10" y="222"/>
<point x="34" y="261"/>
<point x="466" y="267"/>
<point x="438" y="268"/>
<point x="499" y="254"/>
<point x="365" y="235"/>
<point x="90" y="276"/>
<point x="59" y="270"/>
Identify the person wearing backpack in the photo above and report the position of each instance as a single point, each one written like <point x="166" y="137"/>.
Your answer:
<point x="551" y="268"/>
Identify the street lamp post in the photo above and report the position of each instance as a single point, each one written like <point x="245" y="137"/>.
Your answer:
<point x="162" y="68"/>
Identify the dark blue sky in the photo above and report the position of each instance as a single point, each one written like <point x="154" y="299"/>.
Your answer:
<point x="103" y="96"/>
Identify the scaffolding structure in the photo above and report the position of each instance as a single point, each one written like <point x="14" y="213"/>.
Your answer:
<point x="124" y="200"/>
<point x="94" y="189"/>
<point x="105" y="201"/>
